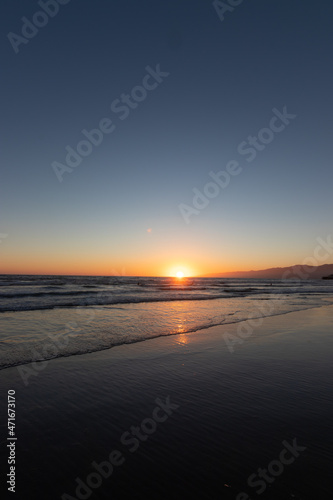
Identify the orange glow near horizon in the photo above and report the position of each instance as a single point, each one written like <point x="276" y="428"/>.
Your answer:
<point x="103" y="265"/>
<point x="83" y="265"/>
<point x="55" y="265"/>
<point x="184" y="262"/>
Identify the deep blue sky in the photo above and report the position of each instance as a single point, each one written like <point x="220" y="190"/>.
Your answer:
<point x="225" y="79"/>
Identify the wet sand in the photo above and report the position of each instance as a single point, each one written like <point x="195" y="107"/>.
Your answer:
<point x="182" y="415"/>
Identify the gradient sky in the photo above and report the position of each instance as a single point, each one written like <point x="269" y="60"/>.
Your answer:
<point x="118" y="211"/>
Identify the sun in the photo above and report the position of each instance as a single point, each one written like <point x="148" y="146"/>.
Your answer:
<point x="179" y="270"/>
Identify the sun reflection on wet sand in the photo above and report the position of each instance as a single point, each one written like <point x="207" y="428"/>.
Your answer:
<point x="182" y="339"/>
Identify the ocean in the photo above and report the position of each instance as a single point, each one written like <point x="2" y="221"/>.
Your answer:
<point x="44" y="317"/>
<point x="232" y="414"/>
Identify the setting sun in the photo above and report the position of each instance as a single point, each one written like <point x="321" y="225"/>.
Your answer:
<point x="180" y="270"/>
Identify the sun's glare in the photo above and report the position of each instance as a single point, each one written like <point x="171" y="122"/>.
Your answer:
<point x="180" y="274"/>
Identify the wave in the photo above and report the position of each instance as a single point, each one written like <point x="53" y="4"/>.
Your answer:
<point x="55" y="300"/>
<point x="129" y="340"/>
<point x="43" y="294"/>
<point x="108" y="301"/>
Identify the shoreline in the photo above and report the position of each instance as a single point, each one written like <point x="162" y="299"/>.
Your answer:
<point x="234" y="411"/>
<point x="259" y="316"/>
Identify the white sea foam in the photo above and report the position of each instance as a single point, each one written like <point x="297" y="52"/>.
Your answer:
<point x="85" y="314"/>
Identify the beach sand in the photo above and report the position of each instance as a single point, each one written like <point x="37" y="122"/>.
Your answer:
<point x="230" y="414"/>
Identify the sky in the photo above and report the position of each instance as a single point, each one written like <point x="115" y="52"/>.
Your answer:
<point x="181" y="90"/>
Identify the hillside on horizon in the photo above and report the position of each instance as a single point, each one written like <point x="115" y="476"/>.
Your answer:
<point x="293" y="272"/>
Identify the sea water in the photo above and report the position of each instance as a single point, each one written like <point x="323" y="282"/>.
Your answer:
<point x="44" y="317"/>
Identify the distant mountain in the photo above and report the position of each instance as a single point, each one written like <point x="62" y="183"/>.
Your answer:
<point x="293" y="272"/>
